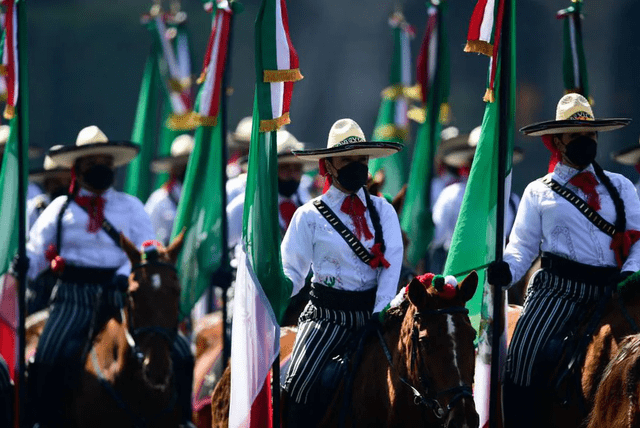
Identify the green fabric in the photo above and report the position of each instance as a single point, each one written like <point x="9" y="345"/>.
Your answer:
<point x="138" y="179"/>
<point x="416" y="219"/>
<point x="200" y="211"/>
<point x="261" y="230"/>
<point x="474" y="241"/>
<point x="573" y="58"/>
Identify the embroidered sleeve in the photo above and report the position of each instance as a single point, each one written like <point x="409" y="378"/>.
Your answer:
<point x="388" y="278"/>
<point x="297" y="250"/>
<point x="41" y="236"/>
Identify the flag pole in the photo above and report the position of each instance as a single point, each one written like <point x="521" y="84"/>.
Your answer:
<point x="495" y="410"/>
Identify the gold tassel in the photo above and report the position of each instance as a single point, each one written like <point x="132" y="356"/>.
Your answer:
<point x="391" y="92"/>
<point x="208" y="120"/>
<point x="273" y="76"/>
<point x="183" y="122"/>
<point x="479" y="46"/>
<point x="489" y="96"/>
<point x="3" y="70"/>
<point x="202" y="76"/>
<point x="417" y="114"/>
<point x="413" y="92"/>
<point x="394" y="92"/>
<point x="179" y="85"/>
<point x="9" y="112"/>
<point x="274" y="124"/>
<point x="445" y="113"/>
<point x="390" y="132"/>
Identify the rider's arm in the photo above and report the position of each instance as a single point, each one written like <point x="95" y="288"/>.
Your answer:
<point x="138" y="230"/>
<point x="388" y="277"/>
<point x="297" y="250"/>
<point x="41" y="236"/>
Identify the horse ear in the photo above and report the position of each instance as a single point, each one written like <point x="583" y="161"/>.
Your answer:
<point x="467" y="288"/>
<point x="417" y="293"/>
<point x="176" y="245"/>
<point x="130" y="249"/>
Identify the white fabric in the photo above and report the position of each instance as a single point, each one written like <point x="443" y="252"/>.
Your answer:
<point x="82" y="248"/>
<point x="638" y="188"/>
<point x="547" y="222"/>
<point x="439" y="183"/>
<point x="311" y="242"/>
<point x="33" y="190"/>
<point x="235" y="186"/>
<point x="447" y="208"/>
<point x="255" y="344"/>
<point x="33" y="208"/>
<point x="162" y="211"/>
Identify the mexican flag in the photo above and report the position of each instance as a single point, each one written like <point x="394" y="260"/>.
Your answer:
<point x="201" y="206"/>
<point x="478" y="238"/>
<point x="262" y="291"/>
<point x="433" y="78"/>
<point x="392" y="123"/>
<point x="15" y="158"/>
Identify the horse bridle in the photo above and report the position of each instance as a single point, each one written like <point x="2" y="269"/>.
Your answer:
<point x="426" y="399"/>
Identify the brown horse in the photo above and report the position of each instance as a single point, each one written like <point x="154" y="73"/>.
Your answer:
<point x="127" y="378"/>
<point x="417" y="368"/>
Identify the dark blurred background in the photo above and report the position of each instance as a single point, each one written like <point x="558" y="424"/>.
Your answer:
<point x="86" y="59"/>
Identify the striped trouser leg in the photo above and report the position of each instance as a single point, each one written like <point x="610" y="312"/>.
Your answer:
<point x="552" y="306"/>
<point x="321" y="334"/>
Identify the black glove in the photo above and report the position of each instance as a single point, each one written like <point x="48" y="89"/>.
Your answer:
<point x="121" y="283"/>
<point x="499" y="274"/>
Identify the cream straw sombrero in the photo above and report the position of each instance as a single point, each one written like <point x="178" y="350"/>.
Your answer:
<point x="627" y="156"/>
<point x="286" y="144"/>
<point x="347" y="139"/>
<point x="49" y="170"/>
<point x="92" y="141"/>
<point x="181" y="148"/>
<point x="574" y="114"/>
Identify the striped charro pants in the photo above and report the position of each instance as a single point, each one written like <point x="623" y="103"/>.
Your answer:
<point x="553" y="306"/>
<point x="322" y="333"/>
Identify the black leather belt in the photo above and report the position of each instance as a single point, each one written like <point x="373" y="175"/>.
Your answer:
<point x="342" y="300"/>
<point x="87" y="275"/>
<point x="595" y="275"/>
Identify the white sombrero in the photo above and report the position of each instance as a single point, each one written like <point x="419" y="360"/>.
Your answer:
<point x="241" y="137"/>
<point x="456" y="150"/>
<point x="181" y="148"/>
<point x="347" y="139"/>
<point x="92" y="141"/>
<point x="33" y="152"/>
<point x="574" y="114"/>
<point x="49" y="170"/>
<point x="286" y="144"/>
<point x="628" y="156"/>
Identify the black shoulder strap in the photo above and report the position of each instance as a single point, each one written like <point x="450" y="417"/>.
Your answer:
<point x="107" y="227"/>
<point x="581" y="205"/>
<point x="59" y="224"/>
<point x="352" y="241"/>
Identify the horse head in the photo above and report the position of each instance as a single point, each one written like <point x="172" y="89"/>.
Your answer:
<point x="438" y="341"/>
<point x="152" y="307"/>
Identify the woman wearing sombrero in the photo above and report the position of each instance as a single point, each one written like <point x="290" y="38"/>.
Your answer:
<point x="584" y="221"/>
<point x="352" y="243"/>
<point x="77" y="239"/>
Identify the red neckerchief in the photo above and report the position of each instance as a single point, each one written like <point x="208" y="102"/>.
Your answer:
<point x="353" y="206"/>
<point x="287" y="208"/>
<point x="587" y="182"/>
<point x="95" y="208"/>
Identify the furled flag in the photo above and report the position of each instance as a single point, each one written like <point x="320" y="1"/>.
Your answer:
<point x="433" y="78"/>
<point x="574" y="65"/>
<point x="478" y="238"/>
<point x="201" y="207"/>
<point x="137" y="181"/>
<point x="12" y="202"/>
<point x="262" y="290"/>
<point x="392" y="123"/>
<point x="10" y="58"/>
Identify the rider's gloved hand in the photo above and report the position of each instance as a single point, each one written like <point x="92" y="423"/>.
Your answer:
<point x="499" y="274"/>
<point x="121" y="283"/>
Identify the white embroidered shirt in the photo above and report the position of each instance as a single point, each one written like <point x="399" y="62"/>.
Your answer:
<point x="162" y="211"/>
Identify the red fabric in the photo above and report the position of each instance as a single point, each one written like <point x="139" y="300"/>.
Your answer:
<point x="464" y="171"/>
<point x="353" y="206"/>
<point x="637" y="167"/>
<point x="170" y="184"/>
<point x="476" y="20"/>
<point x="73" y="184"/>
<point x="378" y="257"/>
<point x="9" y="321"/>
<point x="8" y="346"/>
<point x="423" y="73"/>
<point x="261" y="413"/>
<point x="426" y="279"/>
<point x="587" y="182"/>
<point x="556" y="156"/>
<point x="95" y="207"/>
<point x="287" y="208"/>
<point x="621" y="244"/>
<point x="322" y="168"/>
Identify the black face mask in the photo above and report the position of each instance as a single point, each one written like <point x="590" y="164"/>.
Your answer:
<point x="99" y="177"/>
<point x="288" y="187"/>
<point x="353" y="176"/>
<point x="582" y="150"/>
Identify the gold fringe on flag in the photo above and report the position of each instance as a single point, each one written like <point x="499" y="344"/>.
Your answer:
<point x="9" y="112"/>
<point x="479" y="46"/>
<point x="202" y="77"/>
<point x="489" y="96"/>
<point x="3" y="70"/>
<point x="390" y="132"/>
<point x="183" y="122"/>
<point x="179" y="85"/>
<point x="274" y="124"/>
<point x="392" y="93"/>
<point x="417" y="114"/>
<point x="445" y="113"/>
<point x="208" y="120"/>
<point x="272" y="76"/>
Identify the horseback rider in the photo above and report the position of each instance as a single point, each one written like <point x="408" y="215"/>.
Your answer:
<point x="162" y="204"/>
<point x="353" y="245"/>
<point x="77" y="238"/>
<point x="629" y="156"/>
<point x="584" y="221"/>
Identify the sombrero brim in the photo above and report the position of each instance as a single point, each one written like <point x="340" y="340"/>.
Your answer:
<point x="628" y="156"/>
<point x="40" y="175"/>
<point x="236" y="141"/>
<point x="371" y="149"/>
<point x="518" y="155"/>
<point x="32" y="152"/>
<point x="165" y="164"/>
<point x="282" y="159"/>
<point x="459" y="158"/>
<point x="564" y="126"/>
<point x="122" y="151"/>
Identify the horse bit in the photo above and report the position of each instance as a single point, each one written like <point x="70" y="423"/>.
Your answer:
<point x="459" y="392"/>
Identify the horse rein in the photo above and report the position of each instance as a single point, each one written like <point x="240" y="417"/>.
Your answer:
<point x="459" y="392"/>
